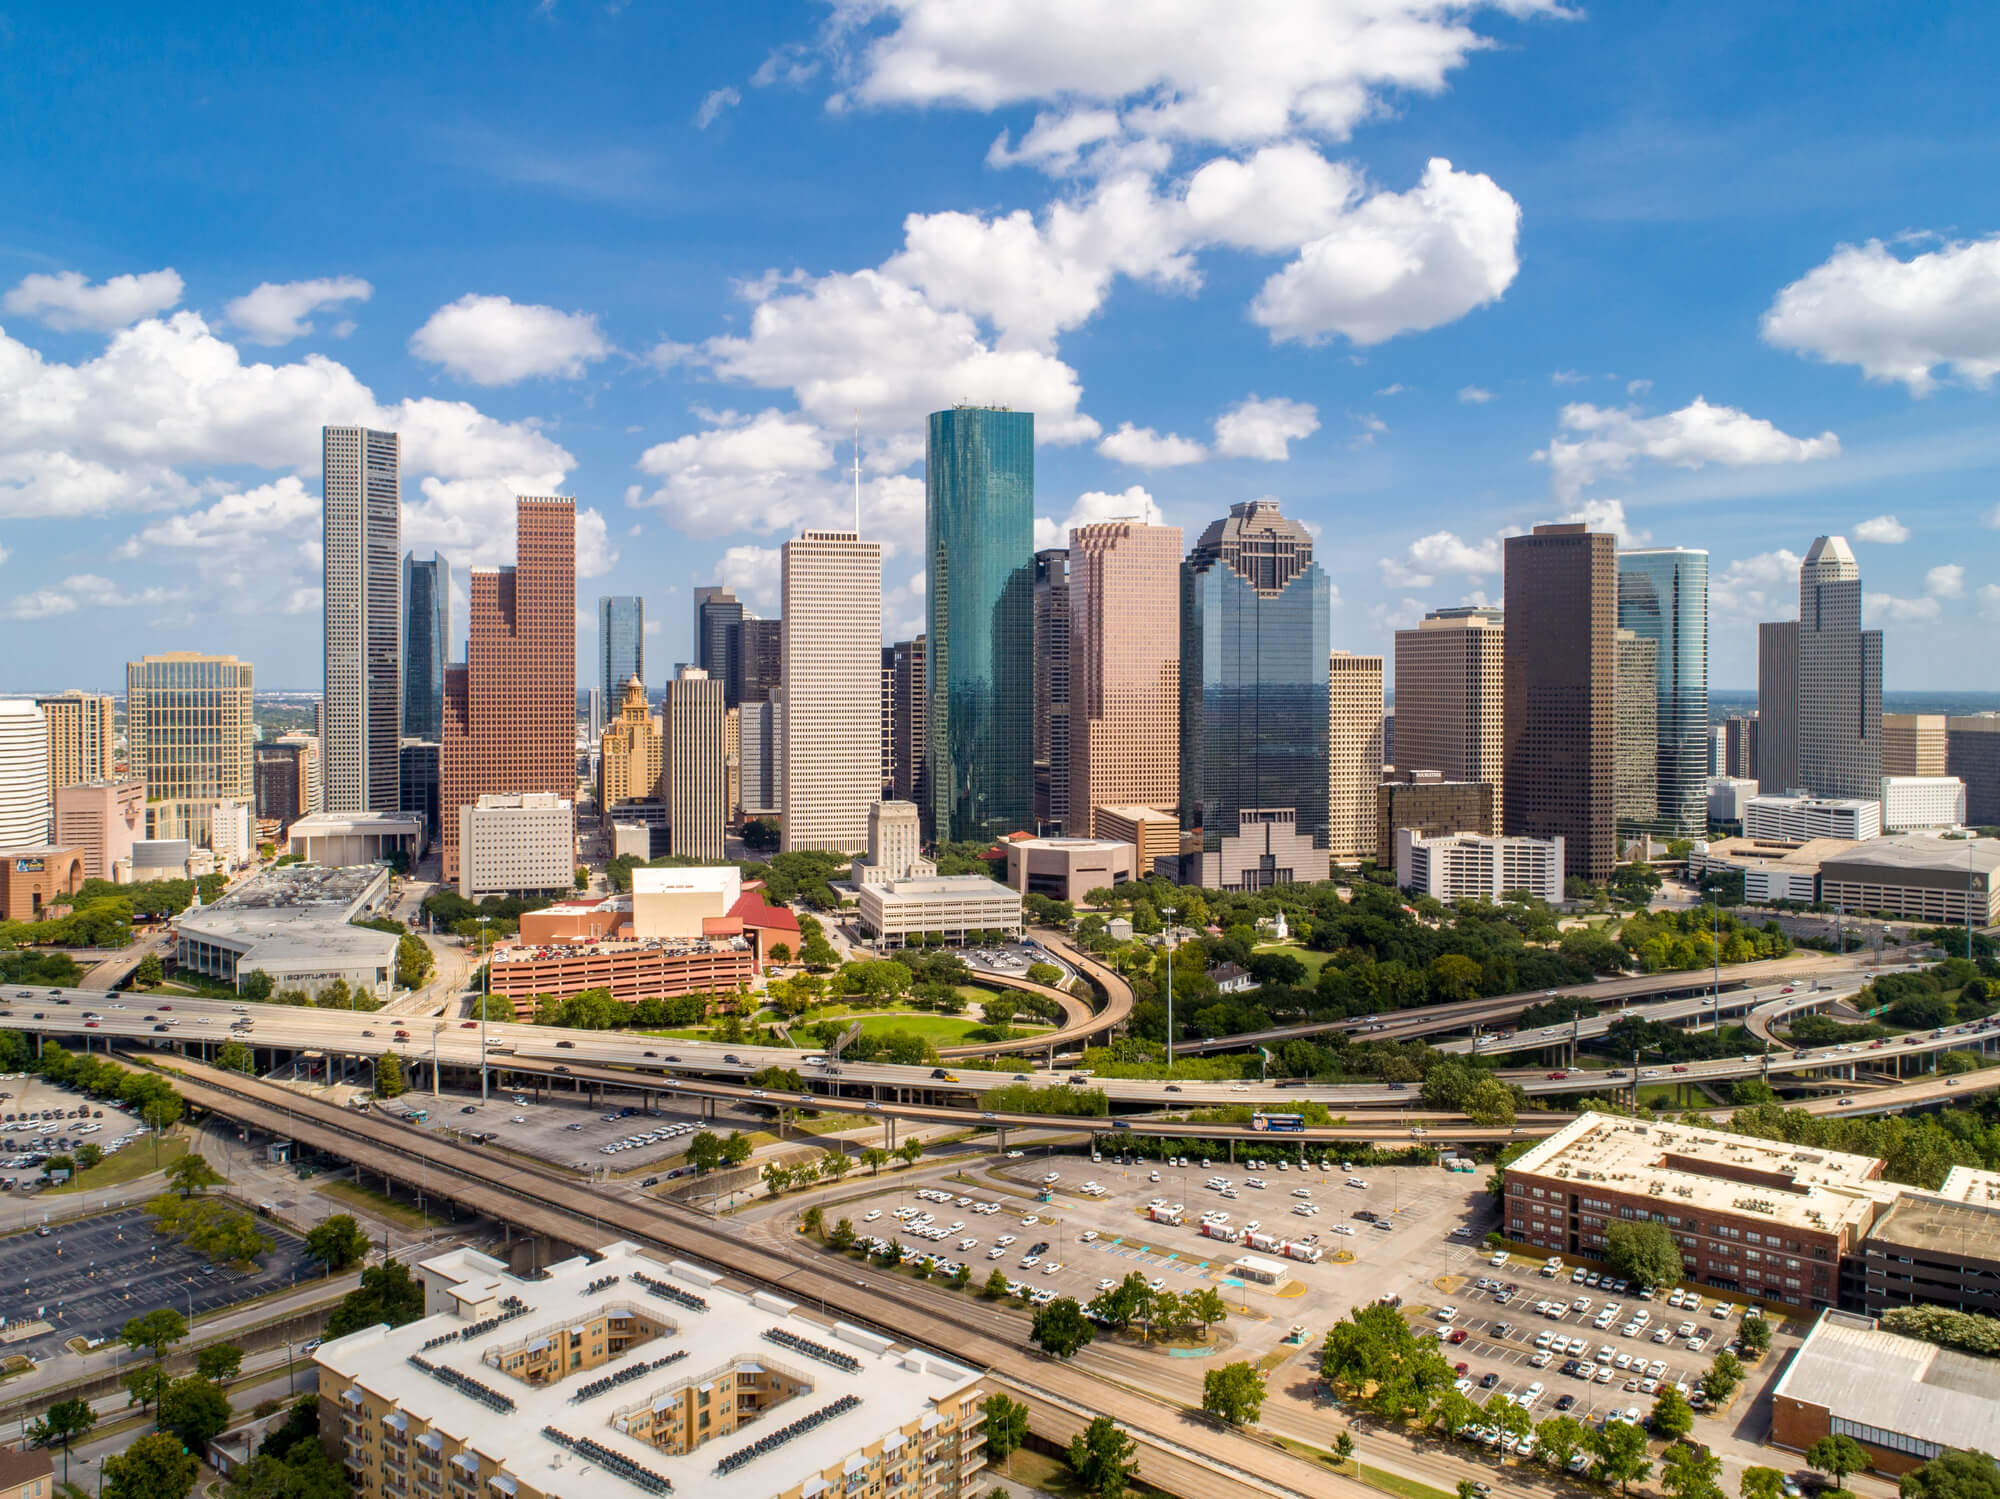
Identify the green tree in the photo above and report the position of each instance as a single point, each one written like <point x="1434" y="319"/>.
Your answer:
<point x="1673" y="1417"/>
<point x="218" y="1362"/>
<point x="1722" y="1378"/>
<point x="911" y="1151"/>
<point x="704" y="1151"/>
<point x="194" y="1410"/>
<point x="1559" y="1439"/>
<point x="842" y="1236"/>
<point x="996" y="1285"/>
<point x="1006" y="1427"/>
<point x="1044" y="973"/>
<point x="150" y="973"/>
<point x="777" y="1177"/>
<point x="736" y="1149"/>
<point x="1755" y="1336"/>
<point x="236" y="1057"/>
<point x="145" y="1384"/>
<point x="88" y="1155"/>
<point x="874" y="1157"/>
<point x="1837" y="1456"/>
<point x="337" y="1243"/>
<point x="1061" y="1329"/>
<point x="1206" y="1307"/>
<point x="60" y="1425"/>
<point x="154" y="1332"/>
<point x="153" y="1467"/>
<point x="387" y="1294"/>
<point x="1233" y="1393"/>
<point x="192" y="1174"/>
<point x="1761" y="1483"/>
<point x="388" y="1076"/>
<point x="813" y="1220"/>
<point x="1343" y="1447"/>
<point x="1690" y="1472"/>
<point x="305" y="1472"/>
<point x="413" y="961"/>
<point x="1954" y="1475"/>
<point x="255" y="985"/>
<point x="1643" y="1252"/>
<point x="1618" y="1454"/>
<point x="1102" y="1457"/>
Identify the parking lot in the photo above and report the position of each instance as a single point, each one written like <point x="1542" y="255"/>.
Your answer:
<point x="87" y="1276"/>
<point x="38" y="1119"/>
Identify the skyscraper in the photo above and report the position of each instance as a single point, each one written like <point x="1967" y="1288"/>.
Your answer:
<point x="831" y="734"/>
<point x="1840" y="678"/>
<point x="1052" y="653"/>
<point x="426" y="644"/>
<point x="360" y="470"/>
<point x="1913" y="744"/>
<point x="1663" y="596"/>
<point x="908" y="742"/>
<point x="1354" y="754"/>
<point x="630" y="754"/>
<point x="1451" y="697"/>
<point x="82" y="746"/>
<point x="1120" y="683"/>
<point x="692" y="782"/>
<point x="1636" y="797"/>
<point x="24" y="775"/>
<point x="979" y="523"/>
<point x="1778" y="707"/>
<point x="510" y="706"/>
<point x="1560" y="739"/>
<point x="188" y="732"/>
<point x="718" y="640"/>
<point x="621" y="644"/>
<point x="1254" y="773"/>
<point x="760" y="658"/>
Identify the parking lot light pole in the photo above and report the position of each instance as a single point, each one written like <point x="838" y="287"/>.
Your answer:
<point x="485" y="992"/>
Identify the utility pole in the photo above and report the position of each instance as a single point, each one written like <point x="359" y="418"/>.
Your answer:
<point x="1170" y="912"/>
<point x="485" y="992"/>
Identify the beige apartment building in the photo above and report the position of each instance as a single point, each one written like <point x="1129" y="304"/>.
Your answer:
<point x="694" y="775"/>
<point x="82" y="746"/>
<point x="188" y="732"/>
<point x="1449" y="696"/>
<point x="1354" y="754"/>
<point x="1124" y="669"/>
<point x="831" y="740"/>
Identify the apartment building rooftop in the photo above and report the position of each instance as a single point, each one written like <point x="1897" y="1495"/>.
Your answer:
<point x="1715" y="1172"/>
<point x="479" y="1377"/>
<point x="1935" y="1223"/>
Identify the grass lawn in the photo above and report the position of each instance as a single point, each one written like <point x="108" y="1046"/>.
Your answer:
<point x="370" y="1200"/>
<point x="131" y="1163"/>
<point x="1658" y="1095"/>
<point x="1314" y="961"/>
<point x="942" y="1030"/>
<point x="1052" y="1475"/>
<point x="1395" y="1483"/>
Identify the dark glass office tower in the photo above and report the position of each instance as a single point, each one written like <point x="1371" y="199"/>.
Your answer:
<point x="979" y="525"/>
<point x="621" y="644"/>
<point x="426" y="644"/>
<point x="1254" y="702"/>
<point x="718" y="640"/>
<point x="1663" y="597"/>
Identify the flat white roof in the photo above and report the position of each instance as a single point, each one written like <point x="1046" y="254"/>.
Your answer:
<point x="1263" y="1265"/>
<point x="721" y="879"/>
<point x="1855" y="1371"/>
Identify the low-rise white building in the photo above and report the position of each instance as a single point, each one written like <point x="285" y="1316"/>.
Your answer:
<point x="1473" y="866"/>
<point x="1728" y="798"/>
<point x="339" y="838"/>
<point x="1773" y="871"/>
<point x="1913" y="803"/>
<point x="296" y="924"/>
<point x="515" y="845"/>
<point x="951" y="906"/>
<point x="1796" y="818"/>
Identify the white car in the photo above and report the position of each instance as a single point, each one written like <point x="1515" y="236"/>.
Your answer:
<point x="1051" y="1267"/>
<point x="1496" y="1262"/>
<point x="1004" y="1240"/>
<point x="1088" y="1236"/>
<point x="1357" y="1181"/>
<point x="996" y="1253"/>
<point x="1105" y="1285"/>
<point x="1301" y="1191"/>
<point x="965" y="1244"/>
<point x="1447" y="1314"/>
<point x="871" y="1215"/>
<point x="1029" y="1261"/>
<point x="1344" y="1228"/>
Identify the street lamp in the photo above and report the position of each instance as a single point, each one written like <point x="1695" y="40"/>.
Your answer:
<point x="1170" y="912"/>
<point x="485" y="992"/>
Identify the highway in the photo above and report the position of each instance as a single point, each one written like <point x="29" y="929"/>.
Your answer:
<point x="1740" y="1004"/>
<point x="1080" y="1024"/>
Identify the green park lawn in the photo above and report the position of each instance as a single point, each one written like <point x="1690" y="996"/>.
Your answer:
<point x="1314" y="961"/>
<point x="131" y="1163"/>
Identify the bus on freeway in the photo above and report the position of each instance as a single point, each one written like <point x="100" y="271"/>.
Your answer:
<point x="1278" y="1123"/>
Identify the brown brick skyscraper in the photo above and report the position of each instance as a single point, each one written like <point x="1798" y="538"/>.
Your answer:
<point x="1124" y="669"/>
<point x="1561" y="734"/>
<point x="510" y="706"/>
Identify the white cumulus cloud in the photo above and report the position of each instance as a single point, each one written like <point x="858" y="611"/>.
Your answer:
<point x="1144" y="448"/>
<point x="1945" y="581"/>
<point x="1884" y="529"/>
<point x="1261" y="427"/>
<point x="277" y="311"/>
<point x="69" y="302"/>
<point x="1888" y="608"/>
<point x="1607" y="440"/>
<point x="497" y="341"/>
<point x="1097" y="505"/>
<point x="1609" y="515"/>
<point x="712" y="106"/>
<point x="1474" y="395"/>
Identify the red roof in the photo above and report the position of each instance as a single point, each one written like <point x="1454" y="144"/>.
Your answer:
<point x="753" y="911"/>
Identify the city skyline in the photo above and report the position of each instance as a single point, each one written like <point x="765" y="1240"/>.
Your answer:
<point x="1598" y="316"/>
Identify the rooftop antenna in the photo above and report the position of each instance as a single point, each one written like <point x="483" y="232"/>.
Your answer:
<point x="857" y="475"/>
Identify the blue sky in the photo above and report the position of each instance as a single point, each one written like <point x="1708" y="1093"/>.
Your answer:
<point x="1716" y="275"/>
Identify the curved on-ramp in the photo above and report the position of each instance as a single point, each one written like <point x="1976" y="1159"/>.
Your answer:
<point x="1081" y="1023"/>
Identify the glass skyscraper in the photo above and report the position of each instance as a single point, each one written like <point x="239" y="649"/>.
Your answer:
<point x="1254" y="701"/>
<point x="1663" y="597"/>
<point x="979" y="534"/>
<point x="621" y="644"/>
<point x="718" y="640"/>
<point x="426" y="644"/>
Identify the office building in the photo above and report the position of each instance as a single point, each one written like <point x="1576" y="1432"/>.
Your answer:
<point x="1118" y="725"/>
<point x="1154" y="832"/>
<point x="1663" y="597"/>
<point x="954" y="908"/>
<point x="426" y="644"/>
<point x="82" y="745"/>
<point x="1913" y="744"/>
<point x="24" y="774"/>
<point x="693" y="783"/>
<point x="1729" y="798"/>
<point x="718" y="640"/>
<point x="631" y="753"/>
<point x="831" y="738"/>
<point x="1794" y="819"/>
<point x="1561" y="693"/>
<point x="1636" y="778"/>
<point x="283" y="774"/>
<point x="341" y="839"/>
<point x="979" y="521"/>
<point x="521" y="843"/>
<point x="1937" y="1248"/>
<point x="621" y="643"/>
<point x="1052" y="657"/>
<point x="776" y="1402"/>
<point x="510" y="706"/>
<point x="423" y="785"/>
<point x="732" y="765"/>
<point x="1426" y="803"/>
<point x="1718" y="751"/>
<point x="1778" y="706"/>
<point x="1940" y="881"/>
<point x="308" y="747"/>
<point x="757" y="758"/>
<point x="1772" y="871"/>
<point x="1838" y="695"/>
<point x="762" y="656"/>
<point x="888" y="720"/>
<point x="1739" y="746"/>
<point x="188" y="731"/>
<point x="908" y="738"/>
<point x="1913" y="803"/>
<point x="1254" y="702"/>
<point x="1354" y="754"/>
<point x="101" y="820"/>
<point x="1451" y="696"/>
<point x="1972" y="753"/>
<point x="295" y="923"/>
<point x="1068" y="869"/>
<point x="363" y="561"/>
<point x="895" y="846"/>
<point x="1469" y="866"/>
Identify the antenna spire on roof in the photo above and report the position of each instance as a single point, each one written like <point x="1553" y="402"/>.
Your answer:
<point x="857" y="475"/>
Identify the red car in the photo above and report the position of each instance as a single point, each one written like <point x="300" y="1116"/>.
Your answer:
<point x="1678" y="1067"/>
<point x="1461" y="1369"/>
<point x="90" y="1025"/>
<point x="468" y="1025"/>
<point x="166" y="1007"/>
<point x="1556" y="1077"/>
<point x="1457" y="1335"/>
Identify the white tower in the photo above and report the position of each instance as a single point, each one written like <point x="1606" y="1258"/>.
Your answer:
<point x="24" y="775"/>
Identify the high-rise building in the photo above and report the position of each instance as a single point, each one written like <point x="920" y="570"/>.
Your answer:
<point x="1052" y="657"/>
<point x="426" y="643"/>
<point x="630" y="754"/>
<point x="422" y="783"/>
<point x="1425" y="801"/>
<point x="284" y="780"/>
<point x="895" y="846"/>
<point x="761" y="658"/>
<point x="718" y="640"/>
<point x="1450" y="695"/>
<point x="1913" y="744"/>
<point x="24" y="774"/>
<point x="1121" y="683"/>
<point x="308" y="748"/>
<point x="621" y="643"/>
<point x="1663" y="597"/>
<point x="1741" y="737"/>
<point x="82" y="745"/>
<point x="101" y="820"/>
<point x="1972" y="753"/>
<point x="831" y="741"/>
<point x="1840" y="678"/>
<point x="1254" y="777"/>
<point x="363" y="559"/>
<point x="979" y="523"/>
<point x="908" y="742"/>
<point x="1354" y="753"/>
<point x="188" y="732"/>
<point x="1778" y="706"/>
<point x="510" y="706"/>
<point x="692" y="778"/>
<point x="1636" y="794"/>
<point x="888" y="721"/>
<point x="757" y="759"/>
<point x="1562" y="693"/>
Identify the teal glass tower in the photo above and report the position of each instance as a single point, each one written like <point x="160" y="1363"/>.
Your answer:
<point x="1663" y="596"/>
<point x="979" y="537"/>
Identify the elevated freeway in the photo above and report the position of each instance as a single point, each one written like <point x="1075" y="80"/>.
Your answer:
<point x="1755" y="1007"/>
<point x="1080" y="1022"/>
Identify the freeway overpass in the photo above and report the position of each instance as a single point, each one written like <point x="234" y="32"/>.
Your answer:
<point x="1695" y="1014"/>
